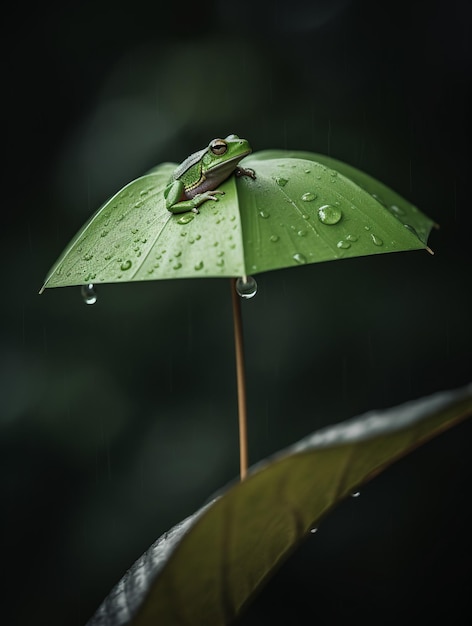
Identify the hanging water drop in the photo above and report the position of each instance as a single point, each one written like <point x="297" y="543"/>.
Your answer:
<point x="355" y="494"/>
<point x="313" y="530"/>
<point x="329" y="214"/>
<point x="246" y="287"/>
<point x="89" y="294"/>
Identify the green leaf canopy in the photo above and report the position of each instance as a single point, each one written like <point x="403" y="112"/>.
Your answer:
<point x="301" y="208"/>
<point x="205" y="569"/>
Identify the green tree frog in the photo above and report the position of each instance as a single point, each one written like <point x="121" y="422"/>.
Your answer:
<point x="196" y="179"/>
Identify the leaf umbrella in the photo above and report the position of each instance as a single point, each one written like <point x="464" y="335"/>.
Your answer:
<point x="300" y="208"/>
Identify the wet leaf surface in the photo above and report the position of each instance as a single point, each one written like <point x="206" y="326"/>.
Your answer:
<point x="207" y="567"/>
<point x="301" y="208"/>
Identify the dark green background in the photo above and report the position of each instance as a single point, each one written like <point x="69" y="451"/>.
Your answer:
<point x="118" y="420"/>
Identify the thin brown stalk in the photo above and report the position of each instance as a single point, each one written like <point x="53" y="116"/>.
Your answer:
<point x="240" y="379"/>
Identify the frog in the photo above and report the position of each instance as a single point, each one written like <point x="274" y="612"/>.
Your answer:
<point x="196" y="179"/>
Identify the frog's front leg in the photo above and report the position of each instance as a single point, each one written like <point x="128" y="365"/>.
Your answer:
<point x="245" y="171"/>
<point x="174" y="191"/>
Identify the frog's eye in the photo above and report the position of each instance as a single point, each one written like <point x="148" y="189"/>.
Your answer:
<point x="218" y="146"/>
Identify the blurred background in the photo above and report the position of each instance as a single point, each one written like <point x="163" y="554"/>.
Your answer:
<point x="119" y="419"/>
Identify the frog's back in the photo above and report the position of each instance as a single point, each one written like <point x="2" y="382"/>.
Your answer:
<point x="191" y="161"/>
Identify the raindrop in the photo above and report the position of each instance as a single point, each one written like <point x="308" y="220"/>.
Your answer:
<point x="246" y="287"/>
<point x="199" y="266"/>
<point x="264" y="214"/>
<point x="126" y="265"/>
<point x="379" y="199"/>
<point x="411" y="229"/>
<point x="309" y="196"/>
<point x="343" y="244"/>
<point x="299" y="258"/>
<point x="355" y="494"/>
<point x="89" y="294"/>
<point x="281" y="182"/>
<point x="329" y="214"/>
<point x="376" y="240"/>
<point x="397" y="210"/>
<point x="185" y="219"/>
<point x="274" y="238"/>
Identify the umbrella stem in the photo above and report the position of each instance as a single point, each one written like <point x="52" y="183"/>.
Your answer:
<point x="241" y="379"/>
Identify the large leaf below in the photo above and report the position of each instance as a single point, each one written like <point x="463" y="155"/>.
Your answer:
<point x="301" y="208"/>
<point x="204" y="570"/>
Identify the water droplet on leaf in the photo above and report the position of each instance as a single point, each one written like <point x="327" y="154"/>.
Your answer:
<point x="246" y="287"/>
<point x="299" y="258"/>
<point x="281" y="182"/>
<point x="274" y="238"/>
<point x="264" y="214"/>
<point x="89" y="294"/>
<point x="396" y="210"/>
<point x="329" y="214"/>
<point x="309" y="196"/>
<point x="177" y="266"/>
<point x="343" y="244"/>
<point x="199" y="266"/>
<point x="411" y="229"/>
<point x="376" y="240"/>
<point x="379" y="199"/>
<point x="126" y="265"/>
<point x="185" y="219"/>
